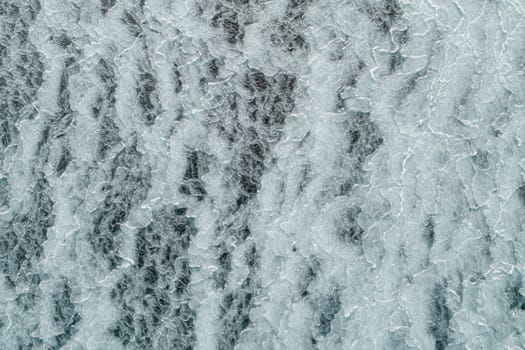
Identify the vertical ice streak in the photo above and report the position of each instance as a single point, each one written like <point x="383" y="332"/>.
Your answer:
<point x="152" y="296"/>
<point x="24" y="221"/>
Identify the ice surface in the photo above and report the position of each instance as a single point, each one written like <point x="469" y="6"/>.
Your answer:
<point x="262" y="174"/>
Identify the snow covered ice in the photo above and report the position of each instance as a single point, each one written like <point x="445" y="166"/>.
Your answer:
<point x="262" y="174"/>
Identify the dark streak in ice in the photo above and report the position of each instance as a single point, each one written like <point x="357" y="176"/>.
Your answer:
<point x="62" y="40"/>
<point x="128" y="185"/>
<point x="327" y="307"/>
<point x="65" y="317"/>
<point x="213" y="68"/>
<point x="236" y="305"/>
<point x="24" y="235"/>
<point x="21" y="71"/>
<point x="249" y="171"/>
<point x="5" y="134"/>
<point x="63" y="161"/>
<point x="22" y="240"/>
<point x="396" y="61"/>
<point x="132" y="24"/>
<point x="104" y="109"/>
<point x="4" y="198"/>
<point x="177" y="79"/>
<point x="348" y="229"/>
<point x="105" y="5"/>
<point x="287" y="30"/>
<point x="191" y="183"/>
<point x="385" y="16"/>
<point x="515" y="298"/>
<point x="158" y="286"/>
<point x="221" y="275"/>
<point x="147" y="95"/>
<point x="308" y="274"/>
<point x="228" y="19"/>
<point x="429" y="232"/>
<point x="364" y="137"/>
<point x="440" y="315"/>
<point x="521" y="194"/>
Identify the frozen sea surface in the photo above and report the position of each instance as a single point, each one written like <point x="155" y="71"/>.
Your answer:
<point x="262" y="174"/>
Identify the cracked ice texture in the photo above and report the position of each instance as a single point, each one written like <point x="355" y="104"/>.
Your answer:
<point x="262" y="174"/>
